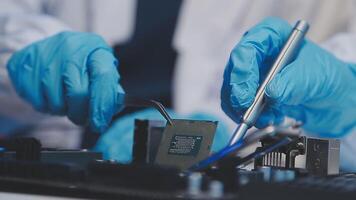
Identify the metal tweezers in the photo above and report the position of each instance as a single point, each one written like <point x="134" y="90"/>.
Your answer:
<point x="136" y="101"/>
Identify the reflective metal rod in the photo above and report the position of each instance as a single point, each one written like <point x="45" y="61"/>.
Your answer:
<point x="289" y="49"/>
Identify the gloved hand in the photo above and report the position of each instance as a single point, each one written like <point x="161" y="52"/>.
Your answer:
<point x="71" y="73"/>
<point x="316" y="88"/>
<point x="117" y="142"/>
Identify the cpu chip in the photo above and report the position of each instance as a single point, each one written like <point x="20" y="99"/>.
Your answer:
<point x="185" y="143"/>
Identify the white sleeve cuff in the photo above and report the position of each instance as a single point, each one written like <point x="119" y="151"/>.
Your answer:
<point x="343" y="46"/>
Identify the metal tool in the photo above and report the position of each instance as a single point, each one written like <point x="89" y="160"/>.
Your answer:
<point x="136" y="101"/>
<point x="285" y="56"/>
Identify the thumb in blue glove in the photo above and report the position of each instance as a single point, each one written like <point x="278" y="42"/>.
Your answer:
<point x="71" y="73"/>
<point x="316" y="88"/>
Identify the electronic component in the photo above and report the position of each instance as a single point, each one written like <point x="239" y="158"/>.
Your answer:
<point x="82" y="173"/>
<point x="147" y="137"/>
<point x="29" y="150"/>
<point x="180" y="145"/>
<point x="321" y="156"/>
<point x="185" y="143"/>
<point x="283" y="157"/>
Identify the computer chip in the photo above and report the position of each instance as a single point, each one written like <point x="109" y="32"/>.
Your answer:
<point x="185" y="143"/>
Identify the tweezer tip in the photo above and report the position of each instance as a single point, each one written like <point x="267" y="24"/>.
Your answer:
<point x="170" y="122"/>
<point x="163" y="111"/>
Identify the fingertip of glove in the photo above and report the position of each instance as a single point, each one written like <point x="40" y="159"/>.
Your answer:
<point x="273" y="90"/>
<point x="120" y="90"/>
<point x="102" y="62"/>
<point x="97" y="127"/>
<point x="241" y="96"/>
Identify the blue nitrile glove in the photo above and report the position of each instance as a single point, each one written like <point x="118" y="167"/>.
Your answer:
<point x="71" y="73"/>
<point x="316" y="88"/>
<point x="117" y="142"/>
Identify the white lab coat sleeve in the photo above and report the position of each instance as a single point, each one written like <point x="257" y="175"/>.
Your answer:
<point x="19" y="30"/>
<point x="21" y="23"/>
<point x="343" y="46"/>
